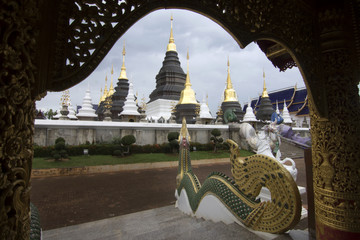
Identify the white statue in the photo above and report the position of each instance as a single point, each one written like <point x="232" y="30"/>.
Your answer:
<point x="265" y="142"/>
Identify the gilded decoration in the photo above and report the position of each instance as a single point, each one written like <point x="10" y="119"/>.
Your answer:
<point x="335" y="141"/>
<point x="17" y="50"/>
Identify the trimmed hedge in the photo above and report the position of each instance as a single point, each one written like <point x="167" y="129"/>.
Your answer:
<point x="108" y="149"/>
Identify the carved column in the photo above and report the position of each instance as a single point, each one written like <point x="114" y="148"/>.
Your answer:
<point x="17" y="50"/>
<point x="336" y="150"/>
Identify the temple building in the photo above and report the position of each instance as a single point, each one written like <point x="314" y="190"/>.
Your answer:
<point x="187" y="106"/>
<point x="265" y="109"/>
<point x="230" y="99"/>
<point x="130" y="111"/>
<point x="169" y="83"/>
<point x="87" y="112"/>
<point x="292" y="104"/>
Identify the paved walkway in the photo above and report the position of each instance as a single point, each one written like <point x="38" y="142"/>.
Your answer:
<point x="162" y="223"/>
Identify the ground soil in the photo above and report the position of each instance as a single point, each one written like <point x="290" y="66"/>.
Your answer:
<point x="70" y="200"/>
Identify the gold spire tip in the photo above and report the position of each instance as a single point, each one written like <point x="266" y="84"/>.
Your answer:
<point x="112" y="69"/>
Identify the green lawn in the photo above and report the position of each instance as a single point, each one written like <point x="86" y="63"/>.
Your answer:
<point x="96" y="160"/>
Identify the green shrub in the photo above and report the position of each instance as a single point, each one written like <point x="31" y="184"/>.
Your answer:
<point x="118" y="153"/>
<point x="116" y="140"/>
<point x="216" y="139"/>
<point x="126" y="141"/>
<point x="59" y="139"/>
<point x="43" y="151"/>
<point x="173" y="136"/>
<point x="57" y="156"/>
<point x="60" y="146"/>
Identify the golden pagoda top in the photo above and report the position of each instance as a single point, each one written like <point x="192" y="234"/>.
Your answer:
<point x="171" y="46"/>
<point x="105" y="91"/>
<point x="111" y="88"/>
<point x="229" y="93"/>
<point x="123" y="68"/>
<point x="264" y="93"/>
<point x="187" y="94"/>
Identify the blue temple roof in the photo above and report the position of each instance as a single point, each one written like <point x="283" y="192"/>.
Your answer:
<point x="296" y="100"/>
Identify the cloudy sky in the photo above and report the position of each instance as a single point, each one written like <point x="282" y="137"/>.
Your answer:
<point x="209" y="47"/>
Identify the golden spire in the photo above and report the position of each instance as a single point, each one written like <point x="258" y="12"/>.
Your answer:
<point x="123" y="68"/>
<point x="230" y="94"/>
<point x="171" y="46"/>
<point x="100" y="95"/>
<point x="187" y="94"/>
<point x="111" y="89"/>
<point x="105" y="91"/>
<point x="264" y="93"/>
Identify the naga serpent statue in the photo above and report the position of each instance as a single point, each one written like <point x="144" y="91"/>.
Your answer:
<point x="221" y="198"/>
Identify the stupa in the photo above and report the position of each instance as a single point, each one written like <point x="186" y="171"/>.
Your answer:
<point x="72" y="113"/>
<point x="169" y="83"/>
<point x="205" y="114"/>
<point x="230" y="99"/>
<point x="187" y="106"/>
<point x="285" y="115"/>
<point x="265" y="109"/>
<point x="121" y="91"/>
<point x="249" y="114"/>
<point x="87" y="112"/>
<point x="130" y="111"/>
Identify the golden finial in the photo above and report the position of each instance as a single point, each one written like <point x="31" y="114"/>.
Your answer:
<point x="111" y="89"/>
<point x="229" y="94"/>
<point x="65" y="98"/>
<point x="264" y="93"/>
<point x="171" y="46"/>
<point x="207" y="99"/>
<point x="187" y="94"/>
<point x="123" y="68"/>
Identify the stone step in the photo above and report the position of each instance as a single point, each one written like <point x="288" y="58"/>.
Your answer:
<point x="160" y="223"/>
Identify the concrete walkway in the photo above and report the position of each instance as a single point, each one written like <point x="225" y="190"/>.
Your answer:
<point x="161" y="223"/>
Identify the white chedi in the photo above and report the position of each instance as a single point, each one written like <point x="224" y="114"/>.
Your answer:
<point x="87" y="110"/>
<point x="130" y="107"/>
<point x="205" y="111"/>
<point x="285" y="114"/>
<point x="72" y="113"/>
<point x="58" y="114"/>
<point x="249" y="114"/>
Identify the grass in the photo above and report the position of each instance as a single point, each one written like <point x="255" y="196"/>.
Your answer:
<point x="97" y="160"/>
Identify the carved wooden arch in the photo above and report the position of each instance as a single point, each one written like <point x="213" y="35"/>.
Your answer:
<point x="84" y="31"/>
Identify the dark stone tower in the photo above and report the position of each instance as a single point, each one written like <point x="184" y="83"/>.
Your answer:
<point x="265" y="109"/>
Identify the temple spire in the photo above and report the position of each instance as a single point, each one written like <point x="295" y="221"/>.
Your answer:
<point x="230" y="94"/>
<point x="171" y="46"/>
<point x="187" y="94"/>
<point x="111" y="89"/>
<point x="264" y="93"/>
<point x="105" y="91"/>
<point x="123" y="68"/>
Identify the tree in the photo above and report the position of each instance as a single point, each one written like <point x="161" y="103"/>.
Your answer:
<point x="173" y="141"/>
<point x="216" y="139"/>
<point x="126" y="141"/>
<point x="50" y="114"/>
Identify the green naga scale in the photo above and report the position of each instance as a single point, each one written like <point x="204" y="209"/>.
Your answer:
<point x="221" y="198"/>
